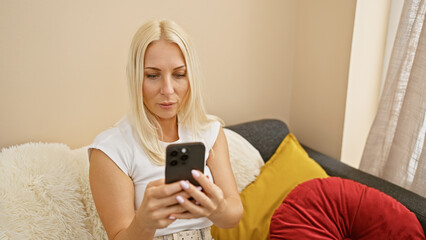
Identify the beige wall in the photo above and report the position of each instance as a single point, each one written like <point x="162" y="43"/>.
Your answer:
<point x="324" y="33"/>
<point x="365" y="75"/>
<point x="62" y="63"/>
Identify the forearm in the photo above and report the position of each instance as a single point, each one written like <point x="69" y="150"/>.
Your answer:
<point x="229" y="215"/>
<point x="135" y="231"/>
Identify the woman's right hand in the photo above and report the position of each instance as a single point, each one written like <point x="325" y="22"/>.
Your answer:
<point x="159" y="203"/>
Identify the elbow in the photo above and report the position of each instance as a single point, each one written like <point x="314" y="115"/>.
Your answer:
<point x="238" y="215"/>
<point x="234" y="218"/>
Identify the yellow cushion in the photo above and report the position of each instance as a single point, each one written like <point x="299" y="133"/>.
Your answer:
<point x="289" y="166"/>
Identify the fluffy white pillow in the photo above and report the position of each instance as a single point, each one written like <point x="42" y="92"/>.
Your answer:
<point x="246" y="160"/>
<point x="45" y="194"/>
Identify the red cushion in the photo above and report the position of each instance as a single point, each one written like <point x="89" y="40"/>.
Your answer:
<point x="336" y="208"/>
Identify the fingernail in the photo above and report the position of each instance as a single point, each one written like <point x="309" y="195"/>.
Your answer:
<point x="184" y="184"/>
<point x="172" y="218"/>
<point x="197" y="203"/>
<point x="180" y="199"/>
<point x="195" y="173"/>
<point x="199" y="188"/>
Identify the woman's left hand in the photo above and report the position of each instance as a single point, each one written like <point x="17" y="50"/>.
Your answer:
<point x="207" y="202"/>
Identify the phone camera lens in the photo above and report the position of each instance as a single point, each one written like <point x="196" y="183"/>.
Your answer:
<point x="184" y="157"/>
<point x="174" y="163"/>
<point x="174" y="153"/>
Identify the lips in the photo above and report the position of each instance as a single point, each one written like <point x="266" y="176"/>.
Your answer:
<point x="167" y="105"/>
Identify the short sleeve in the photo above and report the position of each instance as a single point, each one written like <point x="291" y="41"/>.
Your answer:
<point x="211" y="134"/>
<point x="114" y="145"/>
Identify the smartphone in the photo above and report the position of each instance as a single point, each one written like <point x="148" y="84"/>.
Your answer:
<point x="181" y="158"/>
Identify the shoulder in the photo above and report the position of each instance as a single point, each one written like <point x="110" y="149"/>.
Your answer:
<point x="214" y="127"/>
<point x="119" y="134"/>
<point x="117" y="143"/>
<point x="210" y="132"/>
<point x="210" y="129"/>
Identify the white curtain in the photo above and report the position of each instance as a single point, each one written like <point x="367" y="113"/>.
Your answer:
<point x="395" y="149"/>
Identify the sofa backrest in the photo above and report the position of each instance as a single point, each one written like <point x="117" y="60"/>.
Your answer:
<point x="265" y="135"/>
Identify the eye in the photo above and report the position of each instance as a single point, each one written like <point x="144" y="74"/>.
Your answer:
<point x="180" y="75"/>
<point x="152" y="76"/>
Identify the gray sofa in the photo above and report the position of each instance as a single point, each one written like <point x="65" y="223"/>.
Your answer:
<point x="267" y="134"/>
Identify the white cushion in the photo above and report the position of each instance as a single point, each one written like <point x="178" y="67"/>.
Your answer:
<point x="246" y="160"/>
<point x="45" y="194"/>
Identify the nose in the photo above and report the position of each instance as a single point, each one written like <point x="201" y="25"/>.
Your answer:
<point x="167" y="87"/>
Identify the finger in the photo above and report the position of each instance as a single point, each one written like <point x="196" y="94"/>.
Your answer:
<point x="198" y="195"/>
<point x="157" y="182"/>
<point x="168" y="216"/>
<point x="211" y="198"/>
<point x="186" y="215"/>
<point x="203" y="181"/>
<point x="165" y="190"/>
<point x="192" y="207"/>
<point x="175" y="209"/>
<point x="213" y="192"/>
<point x="165" y="213"/>
<point x="169" y="201"/>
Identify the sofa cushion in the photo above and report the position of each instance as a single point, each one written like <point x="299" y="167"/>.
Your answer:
<point x="45" y="193"/>
<point x="245" y="159"/>
<point x="289" y="166"/>
<point x="414" y="202"/>
<point x="336" y="208"/>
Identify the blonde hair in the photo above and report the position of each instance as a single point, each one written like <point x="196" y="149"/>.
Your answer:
<point x="192" y="113"/>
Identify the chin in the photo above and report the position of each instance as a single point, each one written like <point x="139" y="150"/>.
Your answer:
<point x="166" y="116"/>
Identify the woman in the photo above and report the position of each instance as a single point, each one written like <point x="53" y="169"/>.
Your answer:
<point x="127" y="161"/>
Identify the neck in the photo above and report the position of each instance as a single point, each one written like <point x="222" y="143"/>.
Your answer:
<point x="170" y="129"/>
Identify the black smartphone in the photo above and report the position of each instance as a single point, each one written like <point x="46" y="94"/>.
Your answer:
<point x="181" y="158"/>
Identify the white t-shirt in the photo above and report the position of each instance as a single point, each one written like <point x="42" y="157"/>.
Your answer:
<point x="120" y="144"/>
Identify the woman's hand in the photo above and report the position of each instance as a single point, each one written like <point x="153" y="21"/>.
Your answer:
<point x="160" y="204"/>
<point x="206" y="203"/>
<point x="219" y="201"/>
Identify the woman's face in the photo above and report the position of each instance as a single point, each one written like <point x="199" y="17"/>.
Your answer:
<point x="165" y="84"/>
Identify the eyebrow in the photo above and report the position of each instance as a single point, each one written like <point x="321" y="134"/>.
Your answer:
<point x="154" y="68"/>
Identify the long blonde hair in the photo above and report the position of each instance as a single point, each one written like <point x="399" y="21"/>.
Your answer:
<point x="192" y="113"/>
